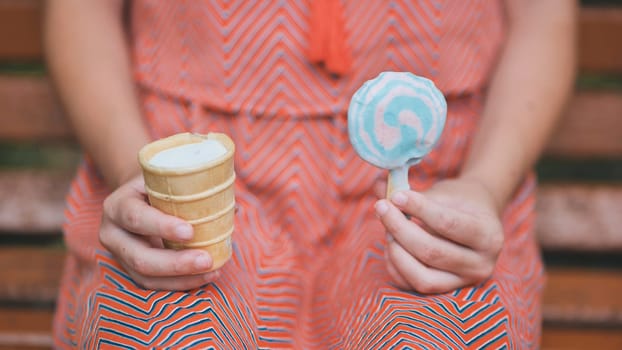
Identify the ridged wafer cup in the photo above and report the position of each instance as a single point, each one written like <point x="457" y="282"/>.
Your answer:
<point x="201" y="195"/>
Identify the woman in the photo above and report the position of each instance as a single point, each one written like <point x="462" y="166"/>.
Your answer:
<point x="318" y="262"/>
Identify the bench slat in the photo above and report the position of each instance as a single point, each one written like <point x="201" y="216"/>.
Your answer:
<point x="572" y="295"/>
<point x="25" y="328"/>
<point x="31" y="329"/>
<point x="33" y="200"/>
<point x="599" y="31"/>
<point x="581" y="339"/>
<point x="589" y="296"/>
<point x="583" y="296"/>
<point x="590" y="126"/>
<point x="599" y="27"/>
<point x="30" y="110"/>
<point x="30" y="274"/>
<point x="20" y="29"/>
<point x="580" y="217"/>
<point x="570" y="216"/>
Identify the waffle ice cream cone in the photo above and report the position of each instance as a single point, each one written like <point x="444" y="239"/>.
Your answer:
<point x="202" y="195"/>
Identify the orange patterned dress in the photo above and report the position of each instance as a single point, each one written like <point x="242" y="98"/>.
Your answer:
<point x="308" y="268"/>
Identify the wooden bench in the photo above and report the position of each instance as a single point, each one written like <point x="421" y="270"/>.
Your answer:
<point x="580" y="226"/>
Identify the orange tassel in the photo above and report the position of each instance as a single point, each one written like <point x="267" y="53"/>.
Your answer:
<point x="327" y="42"/>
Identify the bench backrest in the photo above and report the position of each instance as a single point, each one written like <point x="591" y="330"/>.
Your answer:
<point x="591" y="127"/>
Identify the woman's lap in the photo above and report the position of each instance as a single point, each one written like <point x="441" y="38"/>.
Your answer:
<point x="293" y="281"/>
<point x="335" y="294"/>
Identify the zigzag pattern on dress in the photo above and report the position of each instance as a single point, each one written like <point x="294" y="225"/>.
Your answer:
<point x="308" y="268"/>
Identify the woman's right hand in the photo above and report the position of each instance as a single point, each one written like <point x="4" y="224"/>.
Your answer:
<point x="132" y="231"/>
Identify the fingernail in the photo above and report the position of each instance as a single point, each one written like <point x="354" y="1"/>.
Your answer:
<point x="381" y="207"/>
<point x="399" y="198"/>
<point x="202" y="262"/>
<point x="183" y="231"/>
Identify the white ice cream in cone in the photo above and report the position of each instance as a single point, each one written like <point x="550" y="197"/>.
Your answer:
<point x="191" y="176"/>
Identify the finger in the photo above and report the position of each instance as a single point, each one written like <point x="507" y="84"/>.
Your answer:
<point x="430" y="249"/>
<point x="450" y="223"/>
<point x="137" y="184"/>
<point x="398" y="279"/>
<point x="420" y="277"/>
<point x="392" y="218"/>
<point x="132" y="213"/>
<point x="179" y="283"/>
<point x="139" y="256"/>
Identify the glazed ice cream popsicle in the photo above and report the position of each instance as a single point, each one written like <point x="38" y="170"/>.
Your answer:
<point x="394" y="120"/>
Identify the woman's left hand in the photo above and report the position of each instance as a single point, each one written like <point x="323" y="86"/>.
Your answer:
<point x="453" y="239"/>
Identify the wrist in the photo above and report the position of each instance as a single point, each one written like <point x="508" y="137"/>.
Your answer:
<point x="127" y="166"/>
<point x="121" y="167"/>
<point x="488" y="189"/>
